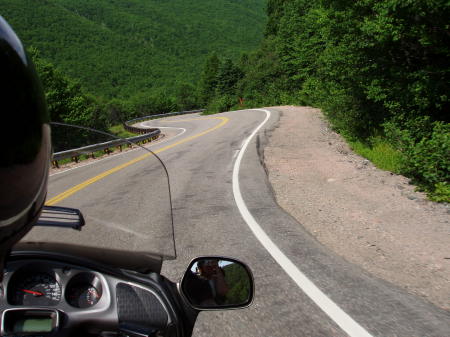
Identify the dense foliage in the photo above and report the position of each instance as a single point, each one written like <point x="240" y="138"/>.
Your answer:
<point x="118" y="48"/>
<point x="377" y="68"/>
<point x="67" y="103"/>
<point x="65" y="99"/>
<point x="239" y="284"/>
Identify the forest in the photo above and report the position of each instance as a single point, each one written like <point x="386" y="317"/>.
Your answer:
<point x="378" y="69"/>
<point x="121" y="48"/>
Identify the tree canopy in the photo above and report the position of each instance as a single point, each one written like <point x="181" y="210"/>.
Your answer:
<point x="118" y="48"/>
<point x="377" y="68"/>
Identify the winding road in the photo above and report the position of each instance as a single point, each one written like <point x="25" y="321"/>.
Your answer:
<point x="224" y="205"/>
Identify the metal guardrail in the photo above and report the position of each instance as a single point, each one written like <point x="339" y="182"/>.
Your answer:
<point x="148" y="134"/>
<point x="74" y="154"/>
<point x="127" y="125"/>
<point x="132" y="121"/>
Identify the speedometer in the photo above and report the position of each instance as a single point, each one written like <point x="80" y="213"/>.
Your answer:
<point x="35" y="290"/>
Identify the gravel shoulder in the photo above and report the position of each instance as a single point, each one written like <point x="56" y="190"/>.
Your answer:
<point x="370" y="217"/>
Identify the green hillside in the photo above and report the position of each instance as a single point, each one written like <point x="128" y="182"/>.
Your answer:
<point x="117" y="48"/>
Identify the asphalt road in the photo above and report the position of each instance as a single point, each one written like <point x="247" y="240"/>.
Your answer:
<point x="200" y="154"/>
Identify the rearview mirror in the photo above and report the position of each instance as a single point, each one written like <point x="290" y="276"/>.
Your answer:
<point x="217" y="283"/>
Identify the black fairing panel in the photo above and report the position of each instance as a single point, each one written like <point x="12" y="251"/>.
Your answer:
<point x="139" y="308"/>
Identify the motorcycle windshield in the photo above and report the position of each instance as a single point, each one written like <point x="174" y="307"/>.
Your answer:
<point x="123" y="192"/>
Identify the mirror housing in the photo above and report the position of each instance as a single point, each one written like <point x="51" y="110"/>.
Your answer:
<point x="217" y="283"/>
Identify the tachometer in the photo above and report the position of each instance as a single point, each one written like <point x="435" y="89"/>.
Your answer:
<point x="84" y="290"/>
<point x="83" y="296"/>
<point x="35" y="290"/>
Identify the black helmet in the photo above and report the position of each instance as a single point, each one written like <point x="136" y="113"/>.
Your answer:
<point x="24" y="139"/>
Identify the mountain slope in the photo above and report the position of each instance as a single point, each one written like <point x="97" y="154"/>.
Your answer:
<point x="120" y="47"/>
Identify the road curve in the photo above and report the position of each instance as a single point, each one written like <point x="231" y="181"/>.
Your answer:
<point x="200" y="162"/>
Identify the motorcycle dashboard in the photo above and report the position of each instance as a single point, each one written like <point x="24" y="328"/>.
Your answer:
<point x="54" y="298"/>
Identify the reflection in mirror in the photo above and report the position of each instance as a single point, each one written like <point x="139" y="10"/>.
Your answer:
<point x="215" y="283"/>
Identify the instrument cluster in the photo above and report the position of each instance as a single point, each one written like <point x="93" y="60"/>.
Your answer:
<point x="40" y="296"/>
<point x="53" y="298"/>
<point x="41" y="285"/>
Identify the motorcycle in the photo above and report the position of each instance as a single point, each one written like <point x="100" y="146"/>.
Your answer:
<point x="92" y="264"/>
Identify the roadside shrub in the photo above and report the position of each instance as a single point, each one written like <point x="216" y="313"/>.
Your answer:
<point x="441" y="193"/>
<point x="221" y="104"/>
<point x="428" y="161"/>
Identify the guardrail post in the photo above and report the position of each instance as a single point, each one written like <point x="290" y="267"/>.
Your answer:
<point x="107" y="147"/>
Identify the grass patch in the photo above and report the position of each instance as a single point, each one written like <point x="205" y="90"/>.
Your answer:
<point x="441" y="193"/>
<point x="380" y="153"/>
<point x="207" y="113"/>
<point x="119" y="131"/>
<point x="64" y="161"/>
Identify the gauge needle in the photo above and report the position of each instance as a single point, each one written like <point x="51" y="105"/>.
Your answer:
<point x="35" y="293"/>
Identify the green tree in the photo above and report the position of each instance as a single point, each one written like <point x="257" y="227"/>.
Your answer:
<point x="208" y="79"/>
<point x="119" y="111"/>
<point x="186" y="97"/>
<point x="151" y="103"/>
<point x="263" y="80"/>
<point x="238" y="281"/>
<point x="377" y="68"/>
<point x="227" y="78"/>
<point x="118" y="48"/>
<point x="274" y="11"/>
<point x="65" y="99"/>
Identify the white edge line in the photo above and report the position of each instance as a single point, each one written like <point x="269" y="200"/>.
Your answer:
<point x="342" y="319"/>
<point x="122" y="153"/>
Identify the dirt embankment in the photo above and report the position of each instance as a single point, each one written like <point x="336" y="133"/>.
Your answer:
<point x="370" y="217"/>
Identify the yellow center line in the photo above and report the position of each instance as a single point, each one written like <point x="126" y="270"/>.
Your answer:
<point x="92" y="180"/>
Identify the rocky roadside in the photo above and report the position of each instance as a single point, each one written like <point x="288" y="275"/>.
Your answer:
<point x="371" y="217"/>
